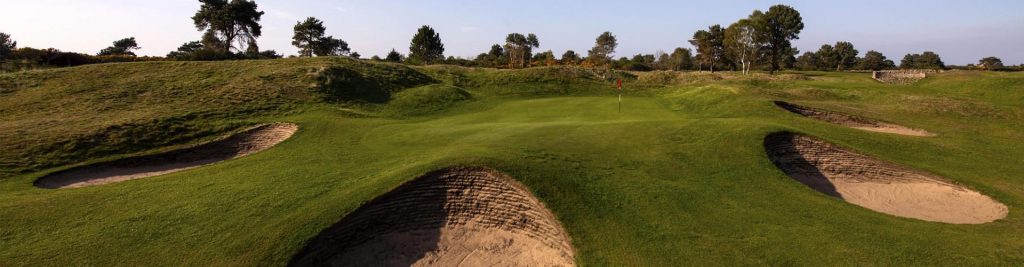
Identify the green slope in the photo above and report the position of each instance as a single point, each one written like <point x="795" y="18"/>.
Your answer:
<point x="678" y="177"/>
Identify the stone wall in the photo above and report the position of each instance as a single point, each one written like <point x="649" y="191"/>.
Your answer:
<point x="901" y="76"/>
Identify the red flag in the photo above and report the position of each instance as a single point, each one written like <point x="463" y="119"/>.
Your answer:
<point x="620" y="84"/>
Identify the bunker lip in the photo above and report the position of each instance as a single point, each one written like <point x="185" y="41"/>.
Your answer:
<point x="457" y="216"/>
<point x="851" y="121"/>
<point x="249" y="141"/>
<point x="878" y="185"/>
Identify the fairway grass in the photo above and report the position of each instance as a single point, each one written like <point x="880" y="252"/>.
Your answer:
<point x="678" y="177"/>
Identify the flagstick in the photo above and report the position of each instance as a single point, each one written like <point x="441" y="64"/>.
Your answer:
<point x="619" y="81"/>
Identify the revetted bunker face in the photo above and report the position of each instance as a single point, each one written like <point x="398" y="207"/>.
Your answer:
<point x="460" y="216"/>
<point x="878" y="185"/>
<point x="851" y="121"/>
<point x="250" y="141"/>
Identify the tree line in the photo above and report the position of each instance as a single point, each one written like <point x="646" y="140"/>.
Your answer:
<point x="762" y="41"/>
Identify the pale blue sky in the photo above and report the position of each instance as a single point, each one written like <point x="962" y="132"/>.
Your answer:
<point x="960" y="31"/>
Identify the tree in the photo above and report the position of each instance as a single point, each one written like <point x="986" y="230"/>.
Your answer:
<point x="604" y="48"/>
<point x="309" y="38"/>
<point x="639" y="62"/>
<point x="185" y="51"/>
<point x="519" y="48"/>
<point x="394" y="56"/>
<point x="570" y="58"/>
<point x="990" y="63"/>
<point x="874" y="60"/>
<point x="493" y="58"/>
<point x="845" y="55"/>
<point x="808" y="61"/>
<point x="827" y="58"/>
<point x="227" y="23"/>
<point x="426" y="46"/>
<point x="355" y="55"/>
<point x="121" y="47"/>
<point x="681" y="59"/>
<point x="547" y="58"/>
<point x="741" y="43"/>
<point x="776" y="28"/>
<point x="926" y="60"/>
<point x="930" y="60"/>
<point x="909" y="61"/>
<point x="307" y="34"/>
<point x="7" y="46"/>
<point x="329" y="46"/>
<point x="710" y="45"/>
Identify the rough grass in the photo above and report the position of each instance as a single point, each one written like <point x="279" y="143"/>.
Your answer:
<point x="678" y="177"/>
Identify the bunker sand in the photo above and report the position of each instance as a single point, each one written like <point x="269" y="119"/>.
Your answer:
<point x="247" y="142"/>
<point x="851" y="121"/>
<point x="459" y="216"/>
<point x="878" y="185"/>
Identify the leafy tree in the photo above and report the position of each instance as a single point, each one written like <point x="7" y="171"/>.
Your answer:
<point x="394" y="56"/>
<point x="604" y="48"/>
<point x="376" y="58"/>
<point x="663" y="62"/>
<point x="639" y="62"/>
<point x="496" y="51"/>
<point x="776" y="28"/>
<point x="355" y="55"/>
<point x="909" y="61"/>
<point x="547" y="58"/>
<point x="329" y="46"/>
<point x="121" y="47"/>
<point x="681" y="59"/>
<point x="570" y="58"/>
<point x="874" y="60"/>
<point x="807" y="61"/>
<point x="827" y="58"/>
<point x="426" y="46"/>
<point x="186" y="50"/>
<point x="741" y="43"/>
<point x="7" y="46"/>
<point x="228" y="23"/>
<point x="307" y="34"/>
<point x="519" y="47"/>
<point x="309" y="38"/>
<point x="991" y="63"/>
<point x="845" y="55"/>
<point x="493" y="58"/>
<point x="926" y="60"/>
<point x="710" y="45"/>
<point x="930" y="60"/>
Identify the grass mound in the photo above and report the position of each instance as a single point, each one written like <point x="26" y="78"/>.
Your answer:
<point x="62" y="116"/>
<point x="878" y="185"/>
<point x="425" y="100"/>
<point x="461" y="216"/>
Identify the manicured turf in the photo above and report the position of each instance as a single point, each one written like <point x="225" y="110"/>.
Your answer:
<point x="678" y="177"/>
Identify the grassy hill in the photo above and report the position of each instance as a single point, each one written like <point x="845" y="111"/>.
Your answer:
<point x="678" y="177"/>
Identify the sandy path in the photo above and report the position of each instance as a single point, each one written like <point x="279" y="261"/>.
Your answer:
<point x="878" y="185"/>
<point x="250" y="141"/>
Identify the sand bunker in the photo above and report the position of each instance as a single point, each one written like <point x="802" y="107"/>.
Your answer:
<point x="451" y="217"/>
<point x="878" y="185"/>
<point x="851" y="121"/>
<point x="250" y="141"/>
